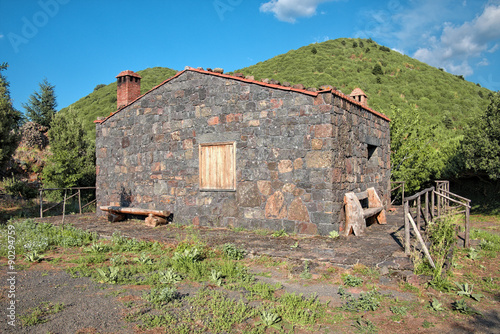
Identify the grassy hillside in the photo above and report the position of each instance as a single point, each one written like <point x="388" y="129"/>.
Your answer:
<point x="102" y="101"/>
<point x="443" y="99"/>
<point x="386" y="76"/>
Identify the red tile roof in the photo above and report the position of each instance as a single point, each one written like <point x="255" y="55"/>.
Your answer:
<point x="302" y="91"/>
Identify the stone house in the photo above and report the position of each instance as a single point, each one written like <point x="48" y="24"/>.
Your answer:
<point x="222" y="150"/>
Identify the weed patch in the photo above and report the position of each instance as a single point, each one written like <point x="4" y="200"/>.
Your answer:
<point x="39" y="314"/>
<point x="232" y="252"/>
<point x="369" y="301"/>
<point x="161" y="296"/>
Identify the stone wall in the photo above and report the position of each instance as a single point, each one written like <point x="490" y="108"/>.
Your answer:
<point x="297" y="153"/>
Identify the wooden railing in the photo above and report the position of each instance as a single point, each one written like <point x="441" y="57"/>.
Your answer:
<point x="433" y="203"/>
<point x="400" y="184"/>
<point x="66" y="198"/>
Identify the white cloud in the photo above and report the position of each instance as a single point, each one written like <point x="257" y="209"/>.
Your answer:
<point x="290" y="10"/>
<point x="320" y="39"/>
<point x="1" y="36"/>
<point x="483" y="62"/>
<point x="457" y="45"/>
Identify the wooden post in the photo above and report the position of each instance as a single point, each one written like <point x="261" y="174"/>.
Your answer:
<point x="407" y="228"/>
<point x="41" y="203"/>
<point x="80" y="200"/>
<point x="438" y="204"/>
<point x="467" y="225"/>
<point x="433" y="194"/>
<point x="64" y="207"/>
<point x="419" y="211"/>
<point x="422" y="243"/>
<point x="403" y="193"/>
<point x="426" y="209"/>
<point x="447" y="185"/>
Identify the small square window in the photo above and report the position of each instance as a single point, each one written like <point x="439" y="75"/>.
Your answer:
<point x="217" y="163"/>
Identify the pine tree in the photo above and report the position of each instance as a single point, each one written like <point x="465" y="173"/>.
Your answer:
<point x="72" y="162"/>
<point x="9" y="121"/>
<point x="41" y="106"/>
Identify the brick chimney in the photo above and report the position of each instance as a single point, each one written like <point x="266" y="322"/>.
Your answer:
<point x="129" y="88"/>
<point x="358" y="95"/>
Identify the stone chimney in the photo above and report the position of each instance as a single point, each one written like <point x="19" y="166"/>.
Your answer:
<point x="129" y="88"/>
<point x="358" y="95"/>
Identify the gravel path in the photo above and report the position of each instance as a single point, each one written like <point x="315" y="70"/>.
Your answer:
<point x="88" y="307"/>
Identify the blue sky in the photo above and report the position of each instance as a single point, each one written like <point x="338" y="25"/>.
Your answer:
<point x="78" y="44"/>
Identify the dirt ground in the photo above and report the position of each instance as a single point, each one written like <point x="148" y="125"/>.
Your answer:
<point x="100" y="308"/>
<point x="379" y="247"/>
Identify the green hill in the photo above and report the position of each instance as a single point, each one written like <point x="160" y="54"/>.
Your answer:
<point x="102" y="101"/>
<point x="386" y="76"/>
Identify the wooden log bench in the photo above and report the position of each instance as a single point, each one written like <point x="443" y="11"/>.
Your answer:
<point x="154" y="217"/>
<point x="357" y="217"/>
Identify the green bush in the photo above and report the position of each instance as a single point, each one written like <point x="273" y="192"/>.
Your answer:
<point x="20" y="188"/>
<point x="72" y="162"/>
<point x="377" y="70"/>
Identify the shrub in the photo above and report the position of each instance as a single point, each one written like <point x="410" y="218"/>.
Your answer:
<point x="72" y="162"/>
<point x="20" y="188"/>
<point x="377" y="70"/>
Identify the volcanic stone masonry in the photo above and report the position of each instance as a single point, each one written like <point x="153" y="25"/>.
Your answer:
<point x="296" y="153"/>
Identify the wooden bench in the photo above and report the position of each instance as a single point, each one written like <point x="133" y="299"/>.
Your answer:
<point x="357" y="217"/>
<point x="154" y="217"/>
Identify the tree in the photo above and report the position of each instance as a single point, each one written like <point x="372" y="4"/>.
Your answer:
<point x="481" y="143"/>
<point x="41" y="106"/>
<point x="377" y="70"/>
<point x="9" y="121"/>
<point x="413" y="158"/>
<point x="72" y="162"/>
